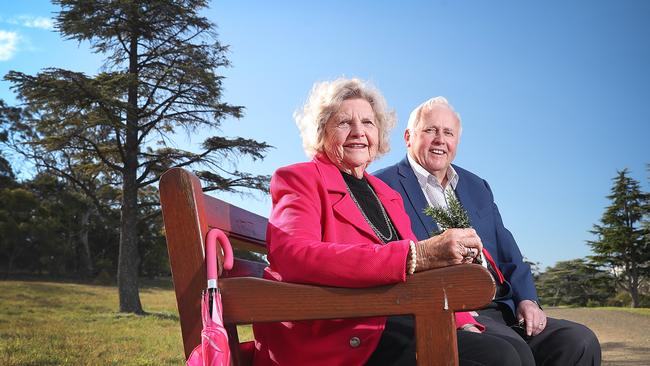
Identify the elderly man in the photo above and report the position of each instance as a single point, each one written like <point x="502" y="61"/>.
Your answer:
<point x="427" y="177"/>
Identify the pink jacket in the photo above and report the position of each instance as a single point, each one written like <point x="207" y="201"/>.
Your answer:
<point x="317" y="235"/>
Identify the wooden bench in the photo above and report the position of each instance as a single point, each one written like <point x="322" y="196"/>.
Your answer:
<point x="431" y="296"/>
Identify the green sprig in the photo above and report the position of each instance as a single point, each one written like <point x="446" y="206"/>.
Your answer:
<point x="453" y="217"/>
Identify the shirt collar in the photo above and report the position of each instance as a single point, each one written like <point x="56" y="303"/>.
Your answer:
<point x="424" y="176"/>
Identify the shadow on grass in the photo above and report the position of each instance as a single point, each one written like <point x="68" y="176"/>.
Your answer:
<point x="162" y="283"/>
<point x="637" y="355"/>
<point x="45" y="289"/>
<point x="158" y="315"/>
<point x="622" y="363"/>
<point x="618" y="346"/>
<point x="47" y="295"/>
<point x="145" y="283"/>
<point x="163" y="316"/>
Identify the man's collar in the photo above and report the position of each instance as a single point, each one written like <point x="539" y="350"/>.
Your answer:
<point x="423" y="175"/>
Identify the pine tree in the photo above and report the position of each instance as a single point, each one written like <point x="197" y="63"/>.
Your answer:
<point x="575" y="282"/>
<point x="621" y="243"/>
<point x="159" y="76"/>
<point x="7" y="176"/>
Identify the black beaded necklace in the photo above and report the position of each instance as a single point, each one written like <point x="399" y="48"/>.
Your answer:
<point x="365" y="198"/>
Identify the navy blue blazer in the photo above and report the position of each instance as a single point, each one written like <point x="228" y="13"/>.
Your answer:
<point x="475" y="195"/>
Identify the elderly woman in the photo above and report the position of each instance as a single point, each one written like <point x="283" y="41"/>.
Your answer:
<point x="333" y="224"/>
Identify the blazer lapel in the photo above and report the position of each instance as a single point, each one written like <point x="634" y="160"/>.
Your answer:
<point x="342" y="203"/>
<point x="391" y="202"/>
<point x="415" y="196"/>
<point x="463" y="196"/>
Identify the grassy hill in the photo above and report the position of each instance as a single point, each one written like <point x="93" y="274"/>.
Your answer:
<point x="48" y="323"/>
<point x="623" y="333"/>
<point x="53" y="323"/>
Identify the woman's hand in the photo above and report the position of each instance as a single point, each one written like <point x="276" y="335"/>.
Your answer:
<point x="471" y="328"/>
<point x="454" y="246"/>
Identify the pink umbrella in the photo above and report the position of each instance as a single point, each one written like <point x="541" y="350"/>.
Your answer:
<point x="213" y="350"/>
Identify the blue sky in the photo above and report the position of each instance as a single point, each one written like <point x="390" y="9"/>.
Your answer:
<point x="554" y="95"/>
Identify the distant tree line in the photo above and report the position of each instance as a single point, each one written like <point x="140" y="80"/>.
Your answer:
<point x="48" y="227"/>
<point x="618" y="274"/>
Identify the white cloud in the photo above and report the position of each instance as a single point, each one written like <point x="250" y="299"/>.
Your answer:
<point x="8" y="41"/>
<point x="36" y="22"/>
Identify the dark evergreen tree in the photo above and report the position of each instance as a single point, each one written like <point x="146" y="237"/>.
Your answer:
<point x="535" y="268"/>
<point x="18" y="223"/>
<point x="621" y="239"/>
<point x="7" y="177"/>
<point x="160" y="75"/>
<point x="575" y="282"/>
<point x="64" y="217"/>
<point x="644" y="287"/>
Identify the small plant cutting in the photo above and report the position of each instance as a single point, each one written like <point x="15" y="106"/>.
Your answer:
<point x="453" y="217"/>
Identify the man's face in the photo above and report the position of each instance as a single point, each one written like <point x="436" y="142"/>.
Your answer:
<point x="434" y="139"/>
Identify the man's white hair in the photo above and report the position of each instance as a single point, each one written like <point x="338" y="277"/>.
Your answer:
<point x="414" y="118"/>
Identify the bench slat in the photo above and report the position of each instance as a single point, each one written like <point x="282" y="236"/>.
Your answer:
<point x="422" y="294"/>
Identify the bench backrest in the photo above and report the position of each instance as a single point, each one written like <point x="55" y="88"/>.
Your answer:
<point x="189" y="214"/>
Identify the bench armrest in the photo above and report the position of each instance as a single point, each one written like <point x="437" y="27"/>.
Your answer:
<point x="431" y="296"/>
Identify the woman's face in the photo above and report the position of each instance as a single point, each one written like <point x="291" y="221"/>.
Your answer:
<point x="351" y="136"/>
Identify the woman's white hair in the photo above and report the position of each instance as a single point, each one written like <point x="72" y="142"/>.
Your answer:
<point x="325" y="99"/>
<point x="414" y="118"/>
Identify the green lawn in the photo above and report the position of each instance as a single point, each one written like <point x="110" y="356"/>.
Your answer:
<point x="51" y="323"/>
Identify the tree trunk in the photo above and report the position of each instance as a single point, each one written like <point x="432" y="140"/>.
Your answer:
<point x="635" y="298"/>
<point x="10" y="262"/>
<point x="129" y="258"/>
<point x="634" y="286"/>
<point x="86" y="260"/>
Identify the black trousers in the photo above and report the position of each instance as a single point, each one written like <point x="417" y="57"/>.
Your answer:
<point x="397" y="347"/>
<point x="561" y="343"/>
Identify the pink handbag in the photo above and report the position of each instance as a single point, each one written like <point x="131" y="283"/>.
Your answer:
<point x="213" y="350"/>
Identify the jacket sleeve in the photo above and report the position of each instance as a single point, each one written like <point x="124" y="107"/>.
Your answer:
<point x="511" y="262"/>
<point x="297" y="251"/>
<point x="464" y="318"/>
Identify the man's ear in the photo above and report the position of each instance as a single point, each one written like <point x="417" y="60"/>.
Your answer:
<point x="407" y="137"/>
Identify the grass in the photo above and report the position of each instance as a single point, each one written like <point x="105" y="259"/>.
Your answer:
<point x="622" y="332"/>
<point x="50" y="323"/>
<point x="54" y="323"/>
<point x="639" y="311"/>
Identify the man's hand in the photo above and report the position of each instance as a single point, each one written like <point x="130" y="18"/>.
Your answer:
<point x="454" y="246"/>
<point x="534" y="317"/>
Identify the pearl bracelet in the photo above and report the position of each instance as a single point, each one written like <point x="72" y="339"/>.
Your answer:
<point x="413" y="256"/>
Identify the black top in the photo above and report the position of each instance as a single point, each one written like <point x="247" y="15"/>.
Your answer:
<point x="367" y="202"/>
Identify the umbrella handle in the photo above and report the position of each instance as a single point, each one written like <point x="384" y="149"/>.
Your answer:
<point x="215" y="235"/>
